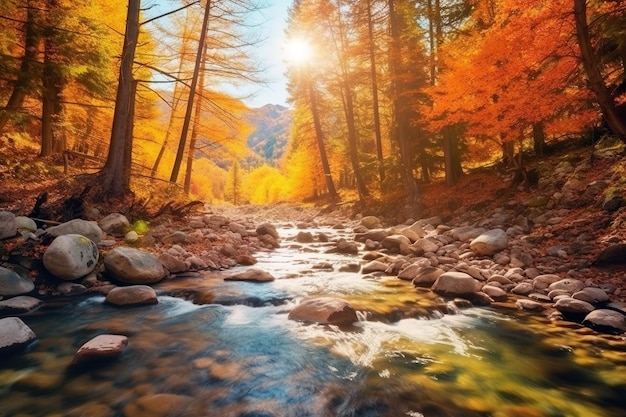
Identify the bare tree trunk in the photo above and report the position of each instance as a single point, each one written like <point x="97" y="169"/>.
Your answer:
<point x="330" y="185"/>
<point x="592" y="68"/>
<point x="401" y="122"/>
<point x="348" y="106"/>
<point x="51" y="109"/>
<point x="192" y="93"/>
<point x="539" y="138"/>
<point x="375" y="101"/>
<point x="115" y="180"/>
<point x="21" y="86"/>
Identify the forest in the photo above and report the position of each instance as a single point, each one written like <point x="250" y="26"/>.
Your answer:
<point x="385" y="95"/>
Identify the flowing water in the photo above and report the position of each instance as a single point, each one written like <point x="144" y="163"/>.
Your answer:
<point x="219" y="348"/>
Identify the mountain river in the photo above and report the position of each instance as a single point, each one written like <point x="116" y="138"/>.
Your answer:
<point x="220" y="348"/>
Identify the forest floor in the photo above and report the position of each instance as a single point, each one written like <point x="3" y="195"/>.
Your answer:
<point x="24" y="177"/>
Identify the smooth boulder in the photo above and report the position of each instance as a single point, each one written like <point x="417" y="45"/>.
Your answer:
<point x="14" y="335"/>
<point x="12" y="283"/>
<point x="606" y="320"/>
<point x="455" y="283"/>
<point x="89" y="229"/>
<point x="132" y="295"/>
<point x="490" y="242"/>
<point x="324" y="310"/>
<point x="133" y="266"/>
<point x="19" y="305"/>
<point x="70" y="257"/>
<point x="115" y="224"/>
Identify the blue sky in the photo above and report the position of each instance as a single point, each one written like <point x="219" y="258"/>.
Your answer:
<point x="272" y="23"/>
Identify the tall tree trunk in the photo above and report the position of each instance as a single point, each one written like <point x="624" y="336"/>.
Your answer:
<point x="192" y="93"/>
<point x="348" y="106"/>
<point x="375" y="100"/>
<point x="196" y="122"/>
<point x="592" y="68"/>
<point x="52" y="85"/>
<point x="116" y="182"/>
<point x="319" y="136"/>
<point x="401" y="122"/>
<point x="22" y="85"/>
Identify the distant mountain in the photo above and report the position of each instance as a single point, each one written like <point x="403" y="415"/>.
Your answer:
<point x="273" y="124"/>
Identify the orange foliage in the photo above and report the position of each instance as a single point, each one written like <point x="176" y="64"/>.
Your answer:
<point x="519" y="70"/>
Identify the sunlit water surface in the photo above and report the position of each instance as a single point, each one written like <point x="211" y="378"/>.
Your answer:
<point x="227" y="349"/>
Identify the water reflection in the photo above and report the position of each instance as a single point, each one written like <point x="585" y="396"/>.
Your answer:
<point x="220" y="348"/>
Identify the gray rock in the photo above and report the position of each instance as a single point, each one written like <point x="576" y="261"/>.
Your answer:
<point x="176" y="237"/>
<point x="133" y="266"/>
<point x="592" y="295"/>
<point x="455" y="283"/>
<point x="238" y="228"/>
<point x="71" y="256"/>
<point x="133" y="295"/>
<point x="115" y="224"/>
<point x="425" y="245"/>
<point x="523" y="288"/>
<point x="345" y="247"/>
<point x="567" y="284"/>
<point x="529" y="305"/>
<point x="14" y="335"/>
<point x="71" y="288"/>
<point x="324" y="310"/>
<point x="490" y="242"/>
<point x="100" y="347"/>
<point x="396" y="243"/>
<point x="89" y="229"/>
<point x="267" y="229"/>
<point x="8" y="227"/>
<point x="376" y="235"/>
<point x="19" y="305"/>
<point x="498" y="294"/>
<point x="304" y="237"/>
<point x="606" y="321"/>
<point x="409" y="272"/>
<point x="374" y="266"/>
<point x="542" y="282"/>
<point x="467" y="233"/>
<point x="215" y="221"/>
<point x="131" y="237"/>
<point x="12" y="283"/>
<point x="25" y="225"/>
<point x="371" y="222"/>
<point x="252" y="275"/>
<point x="172" y="263"/>
<point x="573" y="306"/>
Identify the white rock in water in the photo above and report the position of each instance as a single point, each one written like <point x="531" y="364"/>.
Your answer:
<point x="70" y="257"/>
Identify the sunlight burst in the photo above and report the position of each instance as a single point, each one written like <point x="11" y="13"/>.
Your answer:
<point x="298" y="51"/>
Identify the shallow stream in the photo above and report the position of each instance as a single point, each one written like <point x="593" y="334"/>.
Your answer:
<point x="223" y="348"/>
